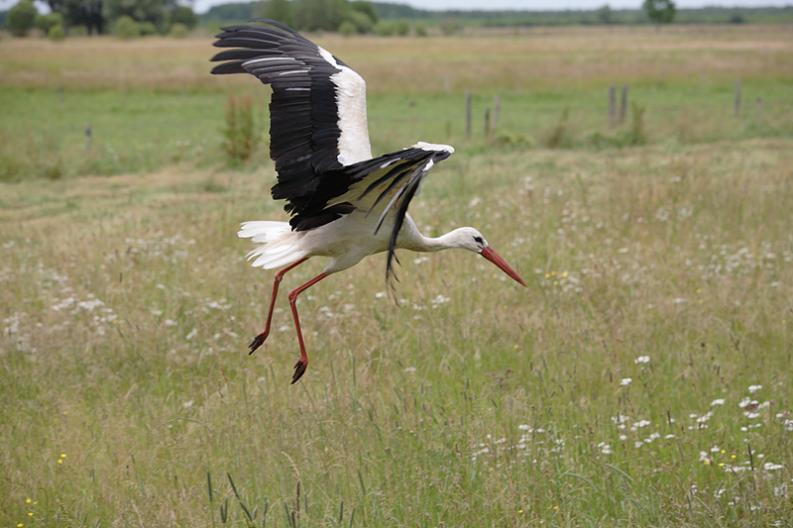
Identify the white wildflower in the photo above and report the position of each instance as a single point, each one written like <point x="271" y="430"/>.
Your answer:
<point x="717" y="401"/>
<point x="642" y="360"/>
<point x="754" y="388"/>
<point x="624" y="382"/>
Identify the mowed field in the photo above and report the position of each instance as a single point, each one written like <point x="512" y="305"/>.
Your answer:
<point x="642" y="379"/>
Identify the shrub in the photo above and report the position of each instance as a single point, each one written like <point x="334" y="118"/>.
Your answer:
<point x="347" y="28"/>
<point x="126" y="28"/>
<point x="56" y="33"/>
<point x="45" y="22"/>
<point x="384" y="29"/>
<point x="361" y="21"/>
<point x="559" y="135"/>
<point x="401" y="28"/>
<point x="184" y="15"/>
<point x="77" y="31"/>
<point x="240" y="132"/>
<point x="420" y="30"/>
<point x="147" y="29"/>
<point x="178" y="30"/>
<point x="636" y="134"/>
<point x="451" y="26"/>
<point x="21" y="17"/>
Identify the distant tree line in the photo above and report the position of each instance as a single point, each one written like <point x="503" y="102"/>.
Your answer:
<point x="129" y="17"/>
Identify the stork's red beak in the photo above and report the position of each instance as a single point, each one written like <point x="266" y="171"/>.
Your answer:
<point x="490" y="254"/>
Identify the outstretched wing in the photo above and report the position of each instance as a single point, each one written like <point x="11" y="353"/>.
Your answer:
<point x="384" y="186"/>
<point x="317" y="110"/>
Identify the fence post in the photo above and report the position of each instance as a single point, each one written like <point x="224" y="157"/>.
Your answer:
<point x="624" y="103"/>
<point x="612" y="105"/>
<point x="496" y="112"/>
<point x="736" y="104"/>
<point x="467" y="115"/>
<point x="487" y="123"/>
<point x="88" y="136"/>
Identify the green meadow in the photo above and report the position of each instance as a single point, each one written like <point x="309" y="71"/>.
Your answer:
<point x="642" y="379"/>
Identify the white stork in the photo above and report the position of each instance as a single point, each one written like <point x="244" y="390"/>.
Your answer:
<point x="344" y="203"/>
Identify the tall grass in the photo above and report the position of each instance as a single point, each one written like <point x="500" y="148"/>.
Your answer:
<point x="642" y="378"/>
<point x="125" y="317"/>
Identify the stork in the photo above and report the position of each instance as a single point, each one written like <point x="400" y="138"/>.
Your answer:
<point x="344" y="203"/>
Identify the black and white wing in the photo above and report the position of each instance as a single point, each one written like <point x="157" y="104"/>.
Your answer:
<point x="384" y="186"/>
<point x="317" y="110"/>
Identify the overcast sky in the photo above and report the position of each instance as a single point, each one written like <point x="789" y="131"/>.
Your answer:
<point x="203" y="5"/>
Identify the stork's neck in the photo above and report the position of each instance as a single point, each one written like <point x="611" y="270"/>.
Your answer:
<point x="447" y="241"/>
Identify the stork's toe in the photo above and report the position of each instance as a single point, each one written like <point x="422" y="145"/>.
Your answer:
<point x="256" y="343"/>
<point x="300" y="369"/>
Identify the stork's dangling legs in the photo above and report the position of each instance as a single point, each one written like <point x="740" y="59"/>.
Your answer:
<point x="259" y="339"/>
<point x="302" y="363"/>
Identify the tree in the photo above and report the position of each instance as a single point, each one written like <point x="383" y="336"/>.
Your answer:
<point x="45" y="22"/>
<point x="86" y="13"/>
<point x="280" y="10"/>
<point x="604" y="14"/>
<point x="367" y="8"/>
<point x="660" y="11"/>
<point x="184" y="15"/>
<point x="21" y="18"/>
<point x="155" y="12"/>
<point x="322" y="15"/>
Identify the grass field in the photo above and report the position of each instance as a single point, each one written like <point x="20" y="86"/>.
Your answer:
<point x="642" y="379"/>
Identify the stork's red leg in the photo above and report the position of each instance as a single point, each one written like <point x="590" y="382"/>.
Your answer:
<point x="259" y="339"/>
<point x="302" y="363"/>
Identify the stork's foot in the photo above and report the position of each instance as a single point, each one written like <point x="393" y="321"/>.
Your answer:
<point x="257" y="342"/>
<point x="300" y="369"/>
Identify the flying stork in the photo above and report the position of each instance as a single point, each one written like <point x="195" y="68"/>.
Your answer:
<point x="344" y="203"/>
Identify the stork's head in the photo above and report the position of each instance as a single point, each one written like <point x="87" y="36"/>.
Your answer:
<point x="472" y="240"/>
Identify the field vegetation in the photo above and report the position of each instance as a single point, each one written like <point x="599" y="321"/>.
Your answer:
<point x="642" y="379"/>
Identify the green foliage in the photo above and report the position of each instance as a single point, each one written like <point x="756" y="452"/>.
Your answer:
<point x="366" y="8"/>
<point x="21" y="18"/>
<point x="347" y="28"/>
<point x="56" y="33"/>
<point x="182" y="14"/>
<point x="420" y="30"/>
<point x="636" y="133"/>
<point x="604" y="14"/>
<point x="240" y="134"/>
<point x="125" y="27"/>
<point x="384" y="29"/>
<point x="280" y="10"/>
<point x="147" y="29"/>
<point x="360" y="21"/>
<point x="178" y="30"/>
<point x="320" y="15"/>
<point x="86" y="13"/>
<point x="560" y="135"/>
<point x="77" y="31"/>
<point x="401" y="28"/>
<point x="451" y="26"/>
<point x="659" y="11"/>
<point x="45" y="22"/>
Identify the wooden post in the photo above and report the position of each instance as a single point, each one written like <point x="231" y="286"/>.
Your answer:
<point x="736" y="104"/>
<point x="467" y="115"/>
<point x="496" y="111"/>
<point x="760" y="108"/>
<point x="88" y="136"/>
<point x="623" y="104"/>
<point x="487" y="123"/>
<point x="612" y="105"/>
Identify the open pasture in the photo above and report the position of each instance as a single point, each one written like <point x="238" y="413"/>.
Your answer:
<point x="642" y="379"/>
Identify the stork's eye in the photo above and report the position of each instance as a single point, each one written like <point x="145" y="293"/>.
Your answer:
<point x="478" y="240"/>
